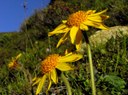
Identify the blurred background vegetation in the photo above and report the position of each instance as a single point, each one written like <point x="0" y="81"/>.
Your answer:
<point x="111" y="60"/>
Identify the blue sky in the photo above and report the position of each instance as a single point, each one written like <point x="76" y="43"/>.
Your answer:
<point x="12" y="12"/>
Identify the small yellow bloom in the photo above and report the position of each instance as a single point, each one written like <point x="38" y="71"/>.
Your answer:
<point x="49" y="66"/>
<point x="14" y="64"/>
<point x="79" y="21"/>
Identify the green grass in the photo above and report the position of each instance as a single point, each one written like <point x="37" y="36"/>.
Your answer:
<point x="110" y="66"/>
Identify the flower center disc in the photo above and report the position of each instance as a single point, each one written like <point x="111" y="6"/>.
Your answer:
<point x="49" y="63"/>
<point x="76" y="19"/>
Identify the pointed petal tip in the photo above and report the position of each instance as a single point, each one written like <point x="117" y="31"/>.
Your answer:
<point x="40" y="85"/>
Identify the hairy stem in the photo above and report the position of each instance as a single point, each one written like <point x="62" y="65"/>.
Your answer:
<point x="66" y="84"/>
<point x="91" y="70"/>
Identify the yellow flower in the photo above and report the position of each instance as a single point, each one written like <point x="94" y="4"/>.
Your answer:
<point x="14" y="64"/>
<point x="49" y="66"/>
<point x="79" y="21"/>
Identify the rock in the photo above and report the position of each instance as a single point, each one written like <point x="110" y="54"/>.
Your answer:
<point x="102" y="36"/>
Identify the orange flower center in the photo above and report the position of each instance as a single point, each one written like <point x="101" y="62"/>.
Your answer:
<point x="49" y="63"/>
<point x="15" y="64"/>
<point x="77" y="18"/>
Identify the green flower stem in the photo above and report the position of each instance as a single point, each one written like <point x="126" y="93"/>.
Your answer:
<point x="90" y="64"/>
<point x="66" y="84"/>
<point x="91" y="70"/>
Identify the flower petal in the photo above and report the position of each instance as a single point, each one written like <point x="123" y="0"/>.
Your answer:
<point x="62" y="39"/>
<point x="11" y="64"/>
<point x="73" y="33"/>
<point x="49" y="85"/>
<point x="104" y="17"/>
<point x="89" y="12"/>
<point x="41" y="83"/>
<point x="95" y="24"/>
<point x="99" y="13"/>
<point x="64" y="67"/>
<point x="62" y="29"/>
<point x="70" y="58"/>
<point x="102" y="26"/>
<point x="35" y="81"/>
<point x="18" y="56"/>
<point x="83" y="27"/>
<point x="95" y="18"/>
<point x="78" y="45"/>
<point x="54" y="76"/>
<point x="89" y="23"/>
<point x="64" y="21"/>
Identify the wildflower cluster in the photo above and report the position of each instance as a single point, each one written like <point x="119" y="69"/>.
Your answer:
<point x="72" y="29"/>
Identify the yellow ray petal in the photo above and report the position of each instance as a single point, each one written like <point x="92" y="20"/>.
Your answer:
<point x="104" y="17"/>
<point x="64" y="67"/>
<point x="67" y="51"/>
<point x="78" y="45"/>
<point x="35" y="81"/>
<point x="68" y="54"/>
<point x="73" y="33"/>
<point x="54" y="76"/>
<point x="70" y="58"/>
<point x="83" y="27"/>
<point x="95" y="18"/>
<point x="60" y="27"/>
<point x="11" y="64"/>
<point x="99" y="13"/>
<point x="64" y="21"/>
<point x="62" y="39"/>
<point x="49" y="85"/>
<point x="41" y="83"/>
<point x="18" y="56"/>
<point x="89" y="23"/>
<point x="102" y="26"/>
<point x="99" y="25"/>
<point x="58" y="31"/>
<point x="95" y="24"/>
<point x="90" y="12"/>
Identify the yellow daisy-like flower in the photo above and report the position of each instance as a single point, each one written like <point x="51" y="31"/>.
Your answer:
<point x="49" y="66"/>
<point x="14" y="64"/>
<point x="79" y="21"/>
